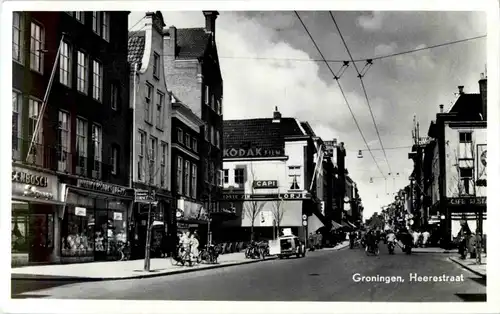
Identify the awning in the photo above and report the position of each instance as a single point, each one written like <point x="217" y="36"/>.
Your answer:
<point x="36" y="200"/>
<point x="346" y="225"/>
<point x="314" y="223"/>
<point x="335" y="225"/>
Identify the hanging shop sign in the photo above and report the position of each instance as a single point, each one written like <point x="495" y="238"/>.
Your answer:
<point x="467" y="200"/>
<point x="254" y="152"/>
<point x="117" y="216"/>
<point x="143" y="196"/>
<point x="282" y="196"/>
<point x="80" y="211"/>
<point x="265" y="184"/>
<point x="101" y="187"/>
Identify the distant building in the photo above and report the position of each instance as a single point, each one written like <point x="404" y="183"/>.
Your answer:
<point x="268" y="168"/>
<point x="151" y="134"/>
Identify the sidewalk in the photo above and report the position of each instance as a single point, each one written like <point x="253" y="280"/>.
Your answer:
<point x="470" y="264"/>
<point x="115" y="270"/>
<point x="337" y="247"/>
<point x="432" y="250"/>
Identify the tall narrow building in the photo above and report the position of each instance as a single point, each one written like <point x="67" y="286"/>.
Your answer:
<point x="193" y="74"/>
<point x="151" y="136"/>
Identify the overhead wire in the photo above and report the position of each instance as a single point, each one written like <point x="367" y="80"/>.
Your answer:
<point x="343" y="93"/>
<point x="364" y="89"/>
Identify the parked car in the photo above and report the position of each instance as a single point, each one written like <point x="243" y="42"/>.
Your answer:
<point x="287" y="246"/>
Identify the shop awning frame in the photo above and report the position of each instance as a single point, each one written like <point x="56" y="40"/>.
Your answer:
<point x="26" y="199"/>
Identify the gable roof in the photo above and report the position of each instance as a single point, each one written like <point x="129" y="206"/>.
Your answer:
<point x="191" y="42"/>
<point x="468" y="106"/>
<point x="259" y="132"/>
<point x="136" y="44"/>
<point x="307" y="128"/>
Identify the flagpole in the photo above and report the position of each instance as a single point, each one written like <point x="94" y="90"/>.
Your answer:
<point x="45" y="99"/>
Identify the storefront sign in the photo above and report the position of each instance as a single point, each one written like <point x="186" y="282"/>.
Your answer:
<point x="254" y="152"/>
<point x="117" y="216"/>
<point x="101" y="187"/>
<point x="28" y="178"/>
<point x="268" y="184"/>
<point x="284" y="196"/>
<point x="80" y="211"/>
<point x="467" y="200"/>
<point x="143" y="196"/>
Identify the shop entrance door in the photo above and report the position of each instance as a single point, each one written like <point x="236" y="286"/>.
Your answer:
<point x="41" y="237"/>
<point x="101" y="235"/>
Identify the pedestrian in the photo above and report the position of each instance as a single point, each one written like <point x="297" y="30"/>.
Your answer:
<point x="426" y="235"/>
<point x="194" y="243"/>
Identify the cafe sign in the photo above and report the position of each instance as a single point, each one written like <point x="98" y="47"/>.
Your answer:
<point x="101" y="187"/>
<point x="254" y="152"/>
<point x="267" y="184"/>
<point x="467" y="200"/>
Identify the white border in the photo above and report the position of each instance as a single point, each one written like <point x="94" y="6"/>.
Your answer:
<point x="80" y="306"/>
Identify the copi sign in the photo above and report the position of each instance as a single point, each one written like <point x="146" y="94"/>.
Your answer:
<point x="252" y="152"/>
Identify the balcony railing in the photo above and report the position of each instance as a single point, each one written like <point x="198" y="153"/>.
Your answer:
<point x="57" y="159"/>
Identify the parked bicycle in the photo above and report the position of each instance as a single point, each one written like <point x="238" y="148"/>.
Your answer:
<point x="209" y="254"/>
<point x="184" y="257"/>
<point x="252" y="251"/>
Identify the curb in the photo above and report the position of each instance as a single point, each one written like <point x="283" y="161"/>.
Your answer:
<point x="429" y="252"/>
<point x="467" y="267"/>
<point x="149" y="275"/>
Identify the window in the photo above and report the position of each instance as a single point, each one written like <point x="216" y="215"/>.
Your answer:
<point x="159" y="110"/>
<point x="114" y="160"/>
<point x="153" y="142"/>
<point x="97" y="144"/>
<point x="212" y="172"/>
<point x="163" y="163"/>
<point x="466" y="175"/>
<point x="212" y="101"/>
<point x="180" y="136"/>
<point x="16" y="119"/>
<point x="205" y="131"/>
<point x="105" y="25"/>
<point x="77" y="232"/>
<point x="212" y="134"/>
<point x="97" y="81"/>
<point x="207" y="94"/>
<point x="187" y="140"/>
<point x="294" y="176"/>
<point x="219" y="106"/>
<point x="147" y="103"/>
<point x="65" y="65"/>
<point x="466" y="147"/>
<point x="239" y="175"/>
<point x="226" y="175"/>
<point x="140" y="159"/>
<point x="179" y="175"/>
<point x="205" y="169"/>
<point x="217" y="138"/>
<point x="82" y="71"/>
<point x="187" y="169"/>
<point x="36" y="54"/>
<point x="80" y="16"/>
<point x="96" y="22"/>
<point x="33" y="112"/>
<point x="195" y="145"/>
<point x="114" y="96"/>
<point x="63" y="141"/>
<point x="17" y="37"/>
<point x="156" y="65"/>
<point x="194" y="182"/>
<point x="81" y="145"/>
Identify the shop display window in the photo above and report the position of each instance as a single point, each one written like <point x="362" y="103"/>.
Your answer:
<point x="77" y="232"/>
<point x="116" y="231"/>
<point x="19" y="239"/>
<point x="29" y="230"/>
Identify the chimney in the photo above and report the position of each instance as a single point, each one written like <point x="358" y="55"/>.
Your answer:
<point x="156" y="19"/>
<point x="484" y="94"/>
<point x="460" y="90"/>
<point x="441" y="107"/>
<point x="276" y="115"/>
<point x="210" y="17"/>
<point x="170" y="41"/>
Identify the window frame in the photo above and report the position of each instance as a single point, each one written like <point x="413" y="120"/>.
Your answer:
<point x="100" y="76"/>
<point x="180" y="168"/>
<point x="140" y="155"/>
<point x="187" y="177"/>
<point x="160" y="112"/>
<point x="152" y="151"/>
<point x="226" y="176"/>
<point x="163" y="163"/>
<point x="148" y="103"/>
<point x="66" y="61"/>
<point x="33" y="53"/>
<point x="86" y="71"/>
<point x="114" y="159"/>
<point x="19" y="29"/>
<point x="96" y="22"/>
<point x="17" y="107"/>
<point x="187" y="140"/>
<point x="156" y="65"/>
<point x="106" y="26"/>
<point x="114" y="96"/>
<point x="63" y="145"/>
<point x="180" y="136"/>
<point x="194" y="144"/>
<point x="194" y="179"/>
<point x="242" y="176"/>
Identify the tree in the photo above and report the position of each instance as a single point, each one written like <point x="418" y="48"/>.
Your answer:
<point x="278" y="211"/>
<point x="252" y="208"/>
<point x="148" y="174"/>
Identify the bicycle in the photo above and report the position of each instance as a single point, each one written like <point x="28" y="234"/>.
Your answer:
<point x="209" y="255"/>
<point x="183" y="257"/>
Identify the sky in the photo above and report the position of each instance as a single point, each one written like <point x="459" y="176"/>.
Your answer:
<point x="398" y="88"/>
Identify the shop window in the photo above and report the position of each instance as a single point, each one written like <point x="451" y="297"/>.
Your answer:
<point x="239" y="175"/>
<point x="77" y="232"/>
<point x="116" y="231"/>
<point x="19" y="232"/>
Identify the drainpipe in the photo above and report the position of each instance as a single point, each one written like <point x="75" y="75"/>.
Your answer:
<point x="134" y="99"/>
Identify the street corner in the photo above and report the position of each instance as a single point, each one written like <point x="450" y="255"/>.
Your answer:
<point x="472" y="265"/>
